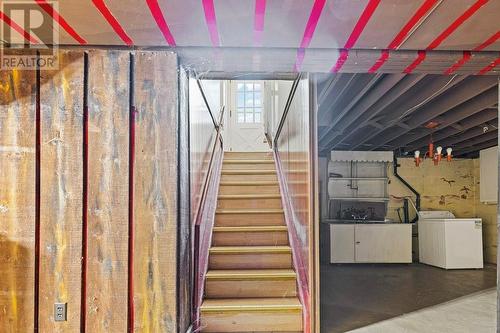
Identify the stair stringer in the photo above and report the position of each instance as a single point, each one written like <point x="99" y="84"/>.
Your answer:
<point x="206" y="219"/>
<point x="297" y="259"/>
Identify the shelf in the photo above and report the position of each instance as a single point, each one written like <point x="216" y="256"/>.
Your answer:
<point x="362" y="199"/>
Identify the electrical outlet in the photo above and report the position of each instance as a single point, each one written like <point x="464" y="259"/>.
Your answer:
<point x="60" y="311"/>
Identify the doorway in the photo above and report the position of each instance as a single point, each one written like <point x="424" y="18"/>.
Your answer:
<point x="245" y="130"/>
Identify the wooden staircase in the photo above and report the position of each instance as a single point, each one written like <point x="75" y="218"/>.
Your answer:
<point x="250" y="285"/>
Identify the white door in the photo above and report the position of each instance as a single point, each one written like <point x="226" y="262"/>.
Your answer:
<point x="342" y="243"/>
<point x="383" y="243"/>
<point x="245" y="125"/>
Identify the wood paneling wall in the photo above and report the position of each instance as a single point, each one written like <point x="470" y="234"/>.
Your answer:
<point x="17" y="200"/>
<point x="297" y="162"/>
<point x="108" y="175"/>
<point x="107" y="190"/>
<point x="61" y="161"/>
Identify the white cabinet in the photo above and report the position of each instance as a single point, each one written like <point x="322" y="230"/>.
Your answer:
<point x="489" y="175"/>
<point x="342" y="243"/>
<point x="370" y="243"/>
<point x="383" y="243"/>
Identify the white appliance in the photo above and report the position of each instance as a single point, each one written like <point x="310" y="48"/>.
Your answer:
<point x="449" y="242"/>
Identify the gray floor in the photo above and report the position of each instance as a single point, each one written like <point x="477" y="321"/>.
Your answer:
<point x="475" y="313"/>
<point x="357" y="295"/>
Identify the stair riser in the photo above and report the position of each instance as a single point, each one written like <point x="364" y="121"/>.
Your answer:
<point x="249" y="178"/>
<point x="253" y="238"/>
<point x="247" y="156"/>
<point x="241" y="220"/>
<point x="250" y="288"/>
<point x="251" y="322"/>
<point x="248" y="166"/>
<point x="250" y="261"/>
<point x="268" y="203"/>
<point x="249" y="189"/>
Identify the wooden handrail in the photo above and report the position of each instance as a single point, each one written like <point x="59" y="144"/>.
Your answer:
<point x="287" y="108"/>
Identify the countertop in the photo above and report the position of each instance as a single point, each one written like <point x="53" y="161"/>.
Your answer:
<point x="361" y="222"/>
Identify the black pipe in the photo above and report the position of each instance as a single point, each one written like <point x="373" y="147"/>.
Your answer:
<point x="395" y="168"/>
<point x="405" y="211"/>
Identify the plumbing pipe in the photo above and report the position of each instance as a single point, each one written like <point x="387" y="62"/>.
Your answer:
<point x="402" y="180"/>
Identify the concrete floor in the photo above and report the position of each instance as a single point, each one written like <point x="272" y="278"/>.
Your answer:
<point x="474" y="313"/>
<point x="358" y="295"/>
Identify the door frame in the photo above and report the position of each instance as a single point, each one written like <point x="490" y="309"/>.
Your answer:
<point x="231" y="115"/>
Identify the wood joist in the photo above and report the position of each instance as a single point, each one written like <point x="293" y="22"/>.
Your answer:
<point x="402" y="112"/>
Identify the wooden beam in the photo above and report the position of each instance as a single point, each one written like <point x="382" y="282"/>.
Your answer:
<point x="470" y="122"/>
<point x="457" y="95"/>
<point x="370" y="99"/>
<point x="405" y="106"/>
<point x="462" y="111"/>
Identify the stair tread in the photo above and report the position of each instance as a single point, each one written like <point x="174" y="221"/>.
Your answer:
<point x="250" y="249"/>
<point x="248" y="172"/>
<point x="246" y="274"/>
<point x="250" y="196"/>
<point x="249" y="211"/>
<point x="251" y="228"/>
<point x="249" y="161"/>
<point x="251" y="304"/>
<point x="249" y="183"/>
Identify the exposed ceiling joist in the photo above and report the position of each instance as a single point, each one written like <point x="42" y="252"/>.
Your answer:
<point x="474" y="150"/>
<point x="377" y="109"/>
<point x="491" y="135"/>
<point x="468" y="123"/>
<point x="374" y="95"/>
<point x="467" y="135"/>
<point x="353" y="100"/>
<point x="457" y="126"/>
<point x="464" y="110"/>
<point x="431" y="85"/>
<point x="329" y="87"/>
<point x="460" y="93"/>
<point x="335" y="95"/>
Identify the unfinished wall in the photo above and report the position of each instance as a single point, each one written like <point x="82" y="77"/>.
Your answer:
<point x="488" y="212"/>
<point x="449" y="186"/>
<point x="89" y="184"/>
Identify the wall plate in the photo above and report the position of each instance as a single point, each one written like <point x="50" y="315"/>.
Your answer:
<point x="60" y="311"/>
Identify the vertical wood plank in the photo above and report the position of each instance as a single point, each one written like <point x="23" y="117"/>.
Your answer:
<point x="17" y="199"/>
<point x="108" y="172"/>
<point x="61" y="102"/>
<point x="155" y="192"/>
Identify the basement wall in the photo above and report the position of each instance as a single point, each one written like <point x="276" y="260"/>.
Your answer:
<point x="488" y="212"/>
<point x="449" y="186"/>
<point x="89" y="195"/>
